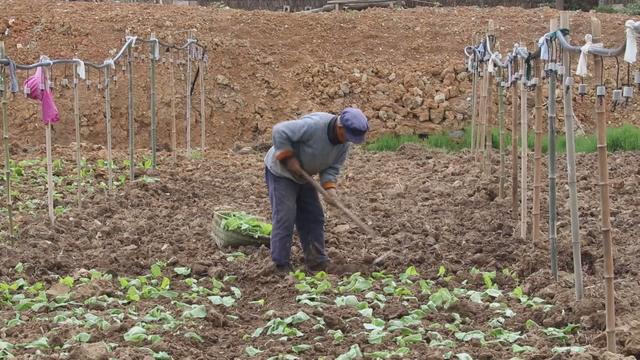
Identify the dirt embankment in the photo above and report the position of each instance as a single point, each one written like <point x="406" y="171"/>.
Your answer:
<point x="404" y="68"/>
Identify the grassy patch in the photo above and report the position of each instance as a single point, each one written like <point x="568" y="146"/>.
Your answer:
<point x="625" y="138"/>
<point x="631" y="9"/>
<point x="607" y="9"/>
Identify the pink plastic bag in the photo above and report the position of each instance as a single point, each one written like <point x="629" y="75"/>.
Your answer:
<point x="35" y="83"/>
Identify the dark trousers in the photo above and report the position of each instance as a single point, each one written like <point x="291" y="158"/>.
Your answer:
<point x="298" y="205"/>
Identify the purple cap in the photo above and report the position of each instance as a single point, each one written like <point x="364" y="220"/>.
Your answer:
<point x="355" y="124"/>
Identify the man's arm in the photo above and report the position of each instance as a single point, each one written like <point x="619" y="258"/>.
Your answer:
<point x="329" y="176"/>
<point x="285" y="134"/>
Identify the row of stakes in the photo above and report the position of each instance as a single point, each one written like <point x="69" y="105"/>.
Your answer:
<point x="66" y="83"/>
<point x="620" y="96"/>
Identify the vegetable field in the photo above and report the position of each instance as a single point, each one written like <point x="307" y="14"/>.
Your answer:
<point x="137" y="272"/>
<point x="136" y="275"/>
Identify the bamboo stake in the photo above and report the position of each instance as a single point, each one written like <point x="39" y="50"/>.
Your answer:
<point x="601" y="121"/>
<point x="501" y="134"/>
<point x="514" y="150"/>
<point x="107" y="112"/>
<point x="571" y="164"/>
<point x="132" y="129"/>
<point x="537" y="172"/>
<point x="5" y="140"/>
<point x="203" y="115"/>
<point x="52" y="218"/>
<point x="173" y="107"/>
<point x="483" y="113"/>
<point x="76" y="118"/>
<point x="553" y="237"/>
<point x="188" y="105"/>
<point x="486" y="133"/>
<point x="524" y="147"/>
<point x="474" y="99"/>
<point x="154" y="119"/>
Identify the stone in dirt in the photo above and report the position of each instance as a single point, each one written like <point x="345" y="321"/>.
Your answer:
<point x="58" y="290"/>
<point x="632" y="345"/>
<point x="93" y="351"/>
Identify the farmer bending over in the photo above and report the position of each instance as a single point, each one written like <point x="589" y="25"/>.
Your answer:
<point x="316" y="143"/>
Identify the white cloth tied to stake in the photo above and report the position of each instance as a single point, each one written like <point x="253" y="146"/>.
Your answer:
<point x="581" y="70"/>
<point x="631" y="49"/>
<point x="156" y="48"/>
<point x="494" y="58"/>
<point x="544" y="47"/>
<point x="80" y="68"/>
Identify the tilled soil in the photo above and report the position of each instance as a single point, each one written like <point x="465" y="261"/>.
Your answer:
<point x="436" y="209"/>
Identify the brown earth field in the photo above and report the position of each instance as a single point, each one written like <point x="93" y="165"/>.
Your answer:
<point x="135" y="274"/>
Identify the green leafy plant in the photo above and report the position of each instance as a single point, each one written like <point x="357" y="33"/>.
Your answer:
<point x="245" y="224"/>
<point x="353" y="353"/>
<point x="251" y="351"/>
<point x="135" y="334"/>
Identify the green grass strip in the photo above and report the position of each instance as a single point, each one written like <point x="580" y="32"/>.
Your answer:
<point x="624" y="138"/>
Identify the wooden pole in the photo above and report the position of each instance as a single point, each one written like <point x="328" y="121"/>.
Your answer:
<point x="154" y="119"/>
<point x="486" y="130"/>
<point x="5" y="140"/>
<point x="514" y="149"/>
<point x="474" y="100"/>
<point x="484" y="89"/>
<point x="481" y="111"/>
<point x="76" y="118"/>
<point x="537" y="158"/>
<point x="131" y="114"/>
<point x="188" y="105"/>
<point x="553" y="237"/>
<point x="52" y="216"/>
<point x="601" y="121"/>
<point x="107" y="114"/>
<point x="571" y="164"/>
<point x="501" y="134"/>
<point x="524" y="147"/>
<point x="203" y="110"/>
<point x="173" y="106"/>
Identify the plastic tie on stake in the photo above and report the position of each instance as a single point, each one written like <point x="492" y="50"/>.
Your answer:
<point x="582" y="89"/>
<point x="560" y="68"/>
<point x="617" y="95"/>
<point x="627" y="92"/>
<point x="636" y="77"/>
<point x="601" y="90"/>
